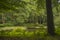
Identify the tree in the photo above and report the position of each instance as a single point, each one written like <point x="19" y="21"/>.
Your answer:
<point x="50" y="23"/>
<point x="11" y="4"/>
<point x="7" y="6"/>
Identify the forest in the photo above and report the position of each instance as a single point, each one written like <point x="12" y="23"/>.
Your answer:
<point x="29" y="19"/>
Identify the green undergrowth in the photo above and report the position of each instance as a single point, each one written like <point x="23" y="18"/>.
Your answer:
<point x="22" y="32"/>
<point x="36" y="34"/>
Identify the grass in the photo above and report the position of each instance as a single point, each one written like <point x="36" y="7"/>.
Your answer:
<point x="23" y="33"/>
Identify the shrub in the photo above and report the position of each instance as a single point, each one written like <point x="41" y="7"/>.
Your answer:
<point x="2" y="25"/>
<point x="8" y="24"/>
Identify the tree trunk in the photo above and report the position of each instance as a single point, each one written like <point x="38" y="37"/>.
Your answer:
<point x="50" y="23"/>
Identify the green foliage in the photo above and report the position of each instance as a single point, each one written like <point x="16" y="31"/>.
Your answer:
<point x="10" y="4"/>
<point x="27" y="13"/>
<point x="58" y="31"/>
<point x="31" y="35"/>
<point x="6" y="24"/>
<point x="21" y="32"/>
<point x="20" y="12"/>
<point x="2" y="25"/>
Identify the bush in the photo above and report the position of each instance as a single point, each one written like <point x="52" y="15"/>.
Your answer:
<point x="22" y="33"/>
<point x="30" y="35"/>
<point x="2" y="25"/>
<point x="58" y="31"/>
<point x="6" y="24"/>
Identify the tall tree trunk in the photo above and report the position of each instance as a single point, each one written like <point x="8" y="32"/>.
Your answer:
<point x="50" y="23"/>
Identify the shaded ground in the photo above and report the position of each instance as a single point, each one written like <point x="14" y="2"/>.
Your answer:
<point x="20" y="38"/>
